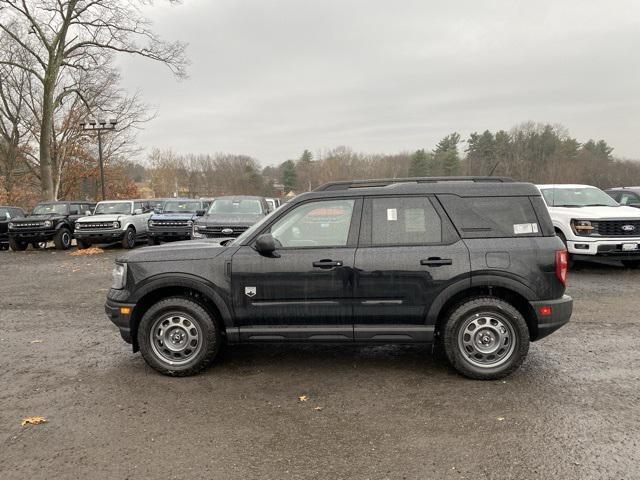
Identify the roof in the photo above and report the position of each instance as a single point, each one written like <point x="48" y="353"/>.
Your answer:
<point x="565" y="185"/>
<point x="64" y="202"/>
<point x="123" y="201"/>
<point x="623" y="188"/>
<point x="240" y="197"/>
<point x="461" y="186"/>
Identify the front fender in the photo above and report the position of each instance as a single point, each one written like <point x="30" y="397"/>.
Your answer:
<point x="185" y="280"/>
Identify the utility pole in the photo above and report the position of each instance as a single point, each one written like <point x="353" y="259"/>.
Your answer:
<point x="99" y="127"/>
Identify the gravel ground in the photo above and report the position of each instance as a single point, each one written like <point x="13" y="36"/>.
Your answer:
<point x="571" y="412"/>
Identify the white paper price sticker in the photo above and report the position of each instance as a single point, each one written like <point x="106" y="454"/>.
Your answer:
<point x="525" y="228"/>
<point x="392" y="214"/>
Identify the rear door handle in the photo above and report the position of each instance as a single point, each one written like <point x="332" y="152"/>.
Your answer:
<point x="436" y="262"/>
<point x="326" y="263"/>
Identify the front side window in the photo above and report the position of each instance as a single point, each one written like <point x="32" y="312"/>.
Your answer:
<point x="404" y="221"/>
<point x="315" y="224"/>
<point x="113" y="208"/>
<point x="181" y="207"/>
<point x="573" y="197"/>
<point x="237" y="206"/>
<point x="51" y="208"/>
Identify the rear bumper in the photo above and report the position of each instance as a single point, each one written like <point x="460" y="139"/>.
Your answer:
<point x="120" y="320"/>
<point x="561" y="310"/>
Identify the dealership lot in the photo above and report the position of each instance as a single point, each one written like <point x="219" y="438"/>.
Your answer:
<point x="394" y="412"/>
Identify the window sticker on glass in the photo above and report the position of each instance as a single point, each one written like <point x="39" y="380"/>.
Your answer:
<point x="414" y="220"/>
<point x="392" y="214"/>
<point x="525" y="228"/>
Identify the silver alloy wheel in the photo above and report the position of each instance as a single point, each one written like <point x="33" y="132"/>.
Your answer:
<point x="66" y="239"/>
<point x="131" y="238"/>
<point x="175" y="338"/>
<point x="487" y="340"/>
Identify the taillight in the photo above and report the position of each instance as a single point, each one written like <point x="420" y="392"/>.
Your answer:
<point x="562" y="265"/>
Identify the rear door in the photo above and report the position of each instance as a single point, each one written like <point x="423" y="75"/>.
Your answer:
<point x="408" y="253"/>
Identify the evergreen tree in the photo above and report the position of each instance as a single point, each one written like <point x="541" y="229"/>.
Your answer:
<point x="289" y="175"/>
<point x="446" y="155"/>
<point x="419" y="166"/>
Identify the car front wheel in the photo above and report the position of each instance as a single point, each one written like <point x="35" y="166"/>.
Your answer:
<point x="62" y="240"/>
<point x="179" y="337"/>
<point x="486" y="338"/>
<point x="129" y="239"/>
<point x="17" y="245"/>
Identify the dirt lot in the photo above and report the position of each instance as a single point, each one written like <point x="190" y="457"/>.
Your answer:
<point x="572" y="411"/>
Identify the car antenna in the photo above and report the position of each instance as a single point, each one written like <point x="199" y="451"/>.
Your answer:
<point x="494" y="168"/>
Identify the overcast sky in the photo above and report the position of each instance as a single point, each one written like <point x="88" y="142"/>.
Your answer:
<point x="271" y="78"/>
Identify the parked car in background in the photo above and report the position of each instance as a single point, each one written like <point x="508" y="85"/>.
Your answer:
<point x="6" y="214"/>
<point x="176" y="220"/>
<point x="124" y="221"/>
<point x="230" y="216"/>
<point x="472" y="264"/>
<point x="625" y="195"/>
<point x="273" y="203"/>
<point x="206" y="202"/>
<point x="592" y="224"/>
<point x="48" y="221"/>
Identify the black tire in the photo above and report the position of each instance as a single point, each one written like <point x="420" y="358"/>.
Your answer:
<point x="82" y="244"/>
<point x="159" y="357"/>
<point x="631" y="263"/>
<point x="129" y="239"/>
<point x="483" y="311"/>
<point x="570" y="260"/>
<point x="17" y="245"/>
<point x="62" y="239"/>
<point x="152" y="241"/>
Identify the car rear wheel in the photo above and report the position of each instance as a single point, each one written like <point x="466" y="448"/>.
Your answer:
<point x="17" y="245"/>
<point x="179" y="337"/>
<point x="486" y="338"/>
<point x="129" y="240"/>
<point x="62" y="239"/>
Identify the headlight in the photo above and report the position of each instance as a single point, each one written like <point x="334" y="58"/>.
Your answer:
<point x="47" y="223"/>
<point x="12" y="225"/>
<point x="195" y="232"/>
<point x="151" y="223"/>
<point x="582" y="227"/>
<point x="189" y="223"/>
<point x="115" y="224"/>
<point x="119" y="276"/>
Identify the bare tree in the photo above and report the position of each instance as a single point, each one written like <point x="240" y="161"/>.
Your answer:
<point x="63" y="36"/>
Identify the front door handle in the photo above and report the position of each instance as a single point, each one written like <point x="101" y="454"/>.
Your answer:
<point x="327" y="263"/>
<point x="436" y="262"/>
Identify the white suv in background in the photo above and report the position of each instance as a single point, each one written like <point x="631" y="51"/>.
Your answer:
<point x="592" y="224"/>
<point x="124" y="221"/>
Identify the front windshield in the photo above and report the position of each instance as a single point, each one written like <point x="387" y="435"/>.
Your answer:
<point x="113" y="208"/>
<point x="252" y="229"/>
<point x="236" y="206"/>
<point x="48" y="208"/>
<point x="181" y="207"/>
<point x="577" y="197"/>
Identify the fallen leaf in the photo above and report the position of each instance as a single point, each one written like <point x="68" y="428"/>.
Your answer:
<point x="35" y="341"/>
<point x="303" y="398"/>
<point x="87" y="251"/>
<point x="317" y="409"/>
<point x="500" y="419"/>
<point x="33" y="421"/>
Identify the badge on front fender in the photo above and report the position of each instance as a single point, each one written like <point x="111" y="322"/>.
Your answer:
<point x="250" y="291"/>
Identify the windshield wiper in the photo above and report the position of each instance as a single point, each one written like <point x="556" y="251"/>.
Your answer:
<point x="600" y="205"/>
<point x="569" y="206"/>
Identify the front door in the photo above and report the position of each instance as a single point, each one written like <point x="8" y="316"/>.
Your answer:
<point x="409" y="252"/>
<point x="304" y="291"/>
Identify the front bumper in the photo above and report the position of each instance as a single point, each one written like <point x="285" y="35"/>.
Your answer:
<point x="561" y="310"/>
<point x="33" y="235"/>
<point x="169" y="235"/>
<point x="609" y="248"/>
<point x="102" y="236"/>
<point x="121" y="320"/>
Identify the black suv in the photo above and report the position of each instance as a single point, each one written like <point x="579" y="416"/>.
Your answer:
<point x="49" y="221"/>
<point x="468" y="264"/>
<point x="230" y="216"/>
<point x="174" y="220"/>
<point x="6" y="215"/>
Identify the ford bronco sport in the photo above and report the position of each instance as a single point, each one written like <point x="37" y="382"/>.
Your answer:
<point x="471" y="265"/>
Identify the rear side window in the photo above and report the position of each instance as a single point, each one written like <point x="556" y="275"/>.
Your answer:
<point x="492" y="217"/>
<point x="404" y="221"/>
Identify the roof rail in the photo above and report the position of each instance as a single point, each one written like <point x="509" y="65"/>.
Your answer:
<point x="384" y="182"/>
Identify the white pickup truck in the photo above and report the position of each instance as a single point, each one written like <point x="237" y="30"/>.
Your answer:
<point x="592" y="224"/>
<point x="124" y="221"/>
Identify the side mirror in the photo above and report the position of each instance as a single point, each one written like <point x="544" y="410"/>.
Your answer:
<point x="201" y="213"/>
<point x="266" y="245"/>
<point x="137" y="211"/>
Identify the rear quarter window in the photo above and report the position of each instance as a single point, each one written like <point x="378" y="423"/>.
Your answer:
<point x="493" y="217"/>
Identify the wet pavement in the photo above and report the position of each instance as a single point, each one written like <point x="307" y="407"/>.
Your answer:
<point x="571" y="412"/>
